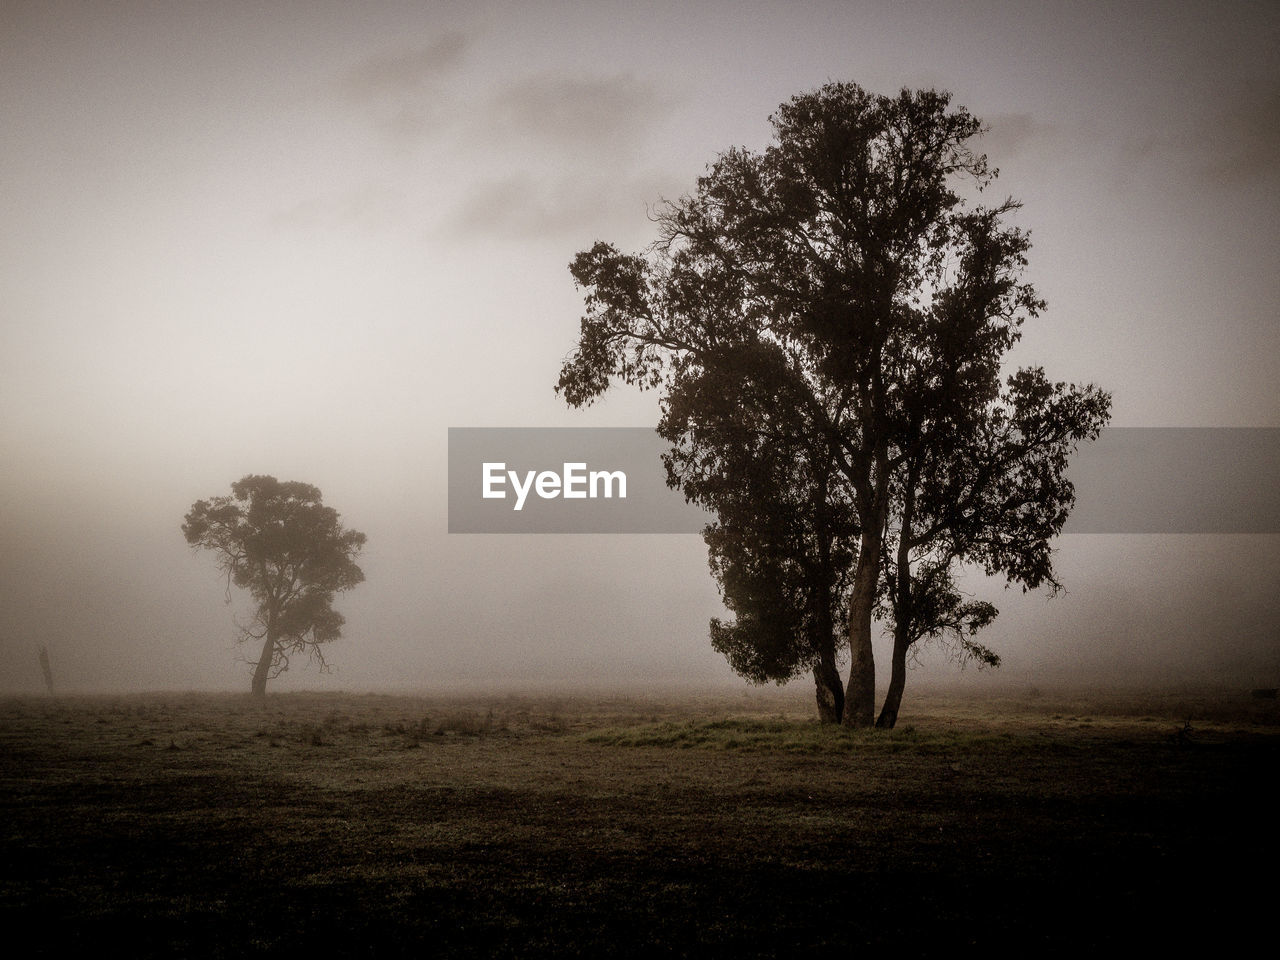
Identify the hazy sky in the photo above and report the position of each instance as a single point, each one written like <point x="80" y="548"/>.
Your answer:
<point x="305" y="238"/>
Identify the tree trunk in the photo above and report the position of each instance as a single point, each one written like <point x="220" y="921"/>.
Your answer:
<point x="830" y="691"/>
<point x="826" y="676"/>
<point x="897" y="682"/>
<point x="860" y="698"/>
<point x="903" y="606"/>
<point x="264" y="666"/>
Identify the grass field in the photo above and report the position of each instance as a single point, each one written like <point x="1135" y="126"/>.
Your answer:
<point x="192" y="825"/>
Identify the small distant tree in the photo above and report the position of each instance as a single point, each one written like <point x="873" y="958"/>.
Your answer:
<point x="281" y="543"/>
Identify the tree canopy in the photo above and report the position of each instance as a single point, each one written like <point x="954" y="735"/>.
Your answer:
<point x="828" y="322"/>
<point x="281" y="543"/>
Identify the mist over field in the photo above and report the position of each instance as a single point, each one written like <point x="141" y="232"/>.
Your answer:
<point x="305" y="239"/>
<point x="287" y="301"/>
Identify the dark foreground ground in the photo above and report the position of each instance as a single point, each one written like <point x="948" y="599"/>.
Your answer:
<point x="349" y="825"/>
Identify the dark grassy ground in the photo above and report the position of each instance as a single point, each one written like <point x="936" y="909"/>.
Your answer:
<point x="192" y="826"/>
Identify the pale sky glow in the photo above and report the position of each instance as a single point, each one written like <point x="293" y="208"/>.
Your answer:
<point x="305" y="238"/>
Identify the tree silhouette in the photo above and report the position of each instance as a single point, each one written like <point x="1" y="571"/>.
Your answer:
<point x="277" y="540"/>
<point x="835" y="297"/>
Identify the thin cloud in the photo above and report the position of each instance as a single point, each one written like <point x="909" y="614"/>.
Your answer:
<point x="1239" y="144"/>
<point x="406" y="71"/>
<point x="366" y="207"/>
<point x="521" y="206"/>
<point x="578" y="112"/>
<point x="526" y="157"/>
<point x="402" y="93"/>
<point x="578" y="148"/>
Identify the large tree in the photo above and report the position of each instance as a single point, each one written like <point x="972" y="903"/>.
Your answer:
<point x="834" y="296"/>
<point x="290" y="551"/>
